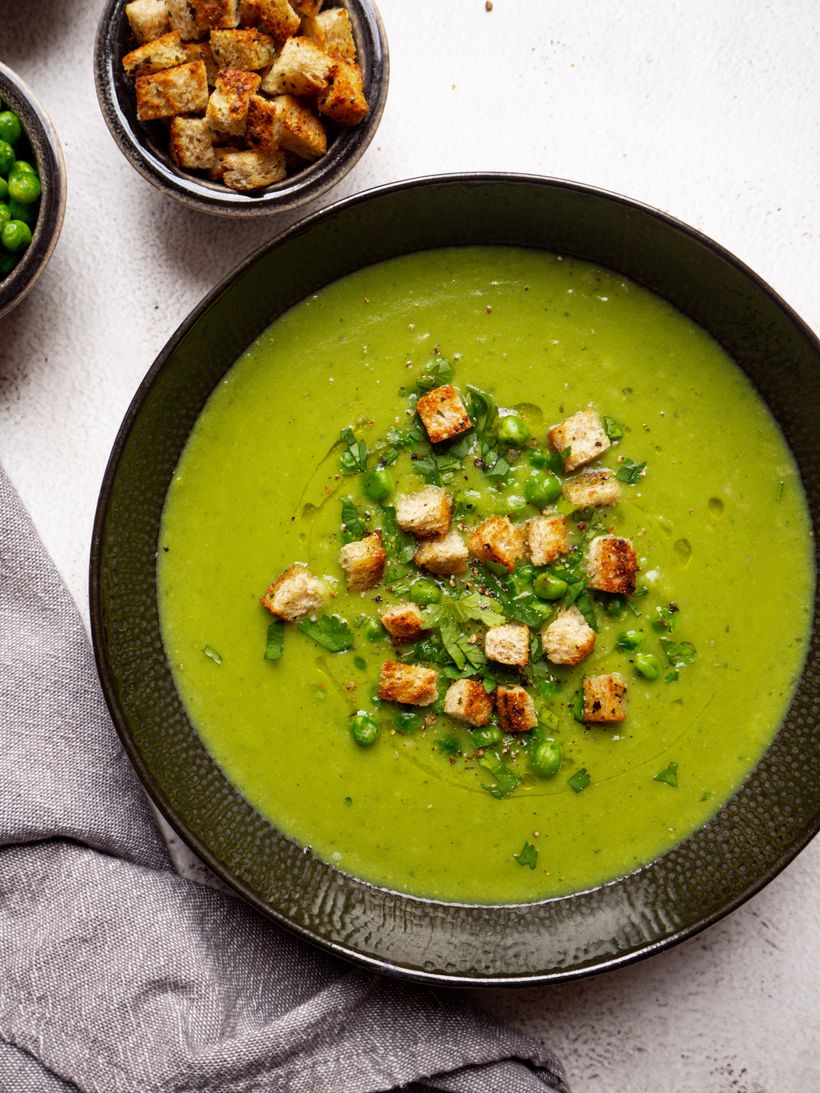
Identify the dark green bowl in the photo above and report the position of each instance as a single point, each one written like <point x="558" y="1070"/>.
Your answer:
<point x="753" y="836"/>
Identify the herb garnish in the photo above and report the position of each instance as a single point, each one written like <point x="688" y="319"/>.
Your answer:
<point x="506" y="780"/>
<point x="276" y="640"/>
<point x="612" y="429"/>
<point x="212" y="653"/>
<point x="353" y="525"/>
<point x="527" y="856"/>
<point x="678" y="653"/>
<point x="669" y="776"/>
<point x="630" y="471"/>
<point x="330" y="631"/>
<point x="576" y="705"/>
<point x="436" y="372"/>
<point x="353" y="459"/>
<point x="579" y="781"/>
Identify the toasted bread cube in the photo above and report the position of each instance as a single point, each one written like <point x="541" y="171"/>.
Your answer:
<point x="407" y="683"/>
<point x="167" y="51"/>
<point x="508" y="644"/>
<point x="593" y="488"/>
<point x="569" y="638"/>
<point x="249" y="48"/>
<point x="201" y="51"/>
<point x="300" y="69"/>
<point x="497" y="540"/>
<point x="516" y="709"/>
<point x="221" y="153"/>
<point x="251" y="170"/>
<point x="227" y="108"/>
<point x="191" y="143"/>
<point x="444" y="556"/>
<point x="363" y="562"/>
<point x="403" y="622"/>
<point x="442" y="412"/>
<point x="611" y="565"/>
<point x="425" y="513"/>
<point x="332" y="30"/>
<point x="262" y="129"/>
<point x="277" y="17"/>
<point x="547" y="537"/>
<point x="306" y="8"/>
<point x="466" y="700"/>
<point x="180" y="90"/>
<point x="604" y="698"/>
<point x="295" y="594"/>
<point x="184" y="20"/>
<point x="148" y="19"/>
<point x="300" y="131"/>
<point x="215" y="14"/>
<point x="343" y="101"/>
<point x="584" y="435"/>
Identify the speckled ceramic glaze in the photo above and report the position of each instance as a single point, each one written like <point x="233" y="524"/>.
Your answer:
<point x="145" y="145"/>
<point x="45" y="147"/>
<point x="750" y="839"/>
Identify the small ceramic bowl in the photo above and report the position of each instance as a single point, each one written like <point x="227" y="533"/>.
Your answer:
<point x="145" y="146"/>
<point x="46" y="151"/>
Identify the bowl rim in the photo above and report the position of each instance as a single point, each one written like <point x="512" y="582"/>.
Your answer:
<point x="52" y="171"/>
<point x="198" y="192"/>
<point x="645" y="949"/>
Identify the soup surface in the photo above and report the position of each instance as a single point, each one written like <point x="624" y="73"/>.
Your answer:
<point x="717" y="516"/>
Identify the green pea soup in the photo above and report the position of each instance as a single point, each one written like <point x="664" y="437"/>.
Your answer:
<point x="718" y="520"/>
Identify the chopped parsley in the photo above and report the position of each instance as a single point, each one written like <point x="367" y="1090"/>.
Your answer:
<point x="576" y="705"/>
<point x="669" y="775"/>
<point x="209" y="651"/>
<point x="436" y="372"/>
<point x="630" y="471"/>
<point x="680" y="654"/>
<point x="276" y="640"/>
<point x="506" y="780"/>
<point x="612" y="429"/>
<point x="330" y="631"/>
<point x="527" y="856"/>
<point x="579" y="781"/>
<point x="665" y="618"/>
<point x="353" y="459"/>
<point x="353" y="525"/>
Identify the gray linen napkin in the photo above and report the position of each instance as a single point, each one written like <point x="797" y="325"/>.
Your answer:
<point x="116" y="974"/>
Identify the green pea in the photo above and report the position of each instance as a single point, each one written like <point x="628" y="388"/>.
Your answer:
<point x="21" y="167"/>
<point x="26" y="213"/>
<point x="406" y="721"/>
<point x="546" y="758"/>
<point x="15" y="236"/>
<point x="512" y="430"/>
<point x="5" y="215"/>
<point x="542" y="488"/>
<point x="632" y="639"/>
<point x="7" y="262"/>
<point x="615" y="606"/>
<point x="538" y="458"/>
<point x="24" y="188"/>
<point x="547" y="587"/>
<point x="4" y="189"/>
<point x="364" y="729"/>
<point x="378" y="484"/>
<point x="526" y="572"/>
<point x="373" y="630"/>
<point x="647" y="665"/>
<point x="6" y="157"/>
<point x="10" y="127"/>
<point x="424" y="592"/>
<point x="486" y="737"/>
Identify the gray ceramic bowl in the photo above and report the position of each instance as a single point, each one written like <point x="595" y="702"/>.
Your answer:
<point x="756" y="832"/>
<point x="44" y="147"/>
<point x="145" y="146"/>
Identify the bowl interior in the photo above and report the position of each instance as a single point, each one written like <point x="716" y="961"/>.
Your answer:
<point x="146" y="144"/>
<point x="767" y="821"/>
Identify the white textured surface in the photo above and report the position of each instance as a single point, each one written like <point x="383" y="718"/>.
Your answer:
<point x="706" y="110"/>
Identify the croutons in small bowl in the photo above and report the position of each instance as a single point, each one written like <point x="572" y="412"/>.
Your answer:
<point x="241" y="107"/>
<point x="32" y="144"/>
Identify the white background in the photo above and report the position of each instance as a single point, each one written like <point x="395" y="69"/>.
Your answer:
<point x="707" y="109"/>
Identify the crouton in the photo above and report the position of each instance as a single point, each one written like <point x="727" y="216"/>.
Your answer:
<point x="584" y="435"/>
<point x="201" y="51"/>
<point x="425" y="513"/>
<point x="184" y="20"/>
<point x="300" y="131"/>
<point x="497" y="540"/>
<point x="227" y="108"/>
<point x="516" y="709"/>
<point x="611" y="565"/>
<point x="604" y="698"/>
<point x="569" y="638"/>
<point x="250" y="170"/>
<point x="295" y="594"/>
<point x="249" y="48"/>
<point x="508" y="644"/>
<point x="277" y="17"/>
<point x="300" y="69"/>
<point x="262" y="128"/>
<point x="332" y="30"/>
<point x="466" y="700"/>
<point x="363" y="562"/>
<point x="191" y="143"/>
<point x="443" y="556"/>
<point x="180" y="90"/>
<point x="167" y="51"/>
<point x="407" y="683"/>
<point x="306" y="8"/>
<point x="403" y="622"/>
<point x="547" y="538"/>
<point x="442" y="412"/>
<point x="215" y="14"/>
<point x="221" y="153"/>
<point x="593" y="488"/>
<point x="148" y="19"/>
